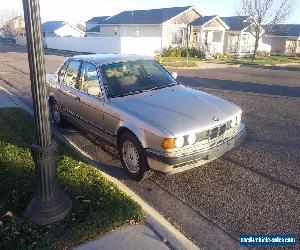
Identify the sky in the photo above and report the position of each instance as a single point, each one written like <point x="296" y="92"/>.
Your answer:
<point x="76" y="11"/>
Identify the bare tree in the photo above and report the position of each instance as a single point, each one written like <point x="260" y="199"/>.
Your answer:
<point x="80" y="26"/>
<point x="7" y="25"/>
<point x="264" y="12"/>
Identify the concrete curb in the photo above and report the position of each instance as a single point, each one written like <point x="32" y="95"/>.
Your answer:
<point x="172" y="236"/>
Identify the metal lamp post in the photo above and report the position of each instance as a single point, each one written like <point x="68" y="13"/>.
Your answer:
<point x="50" y="203"/>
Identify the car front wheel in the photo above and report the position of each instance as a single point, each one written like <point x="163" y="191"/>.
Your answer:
<point x="132" y="157"/>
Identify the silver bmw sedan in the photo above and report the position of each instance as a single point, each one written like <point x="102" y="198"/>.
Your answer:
<point x="134" y="104"/>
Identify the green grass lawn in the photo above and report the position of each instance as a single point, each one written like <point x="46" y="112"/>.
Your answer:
<point x="264" y="60"/>
<point x="179" y="61"/>
<point x="260" y="60"/>
<point x="98" y="205"/>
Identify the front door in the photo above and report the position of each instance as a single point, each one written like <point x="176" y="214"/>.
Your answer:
<point x="90" y="108"/>
<point x="66" y="93"/>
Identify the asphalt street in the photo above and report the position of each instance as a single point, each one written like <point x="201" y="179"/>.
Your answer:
<point x="253" y="189"/>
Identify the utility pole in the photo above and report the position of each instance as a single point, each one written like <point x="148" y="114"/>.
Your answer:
<point x="50" y="203"/>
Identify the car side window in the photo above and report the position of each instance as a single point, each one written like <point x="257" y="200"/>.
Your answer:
<point x="88" y="77"/>
<point x="72" y="72"/>
<point x="62" y="72"/>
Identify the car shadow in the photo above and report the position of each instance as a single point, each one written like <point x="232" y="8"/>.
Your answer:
<point x="250" y="87"/>
<point x="90" y="148"/>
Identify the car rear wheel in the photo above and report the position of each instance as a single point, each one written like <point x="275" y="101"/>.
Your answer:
<point x="132" y="157"/>
<point x="56" y="114"/>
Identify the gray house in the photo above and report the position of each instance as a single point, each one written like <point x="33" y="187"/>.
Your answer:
<point x="168" y="24"/>
<point x="283" y="38"/>
<point x="93" y="25"/>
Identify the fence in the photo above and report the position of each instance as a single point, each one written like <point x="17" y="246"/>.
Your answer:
<point x="124" y="45"/>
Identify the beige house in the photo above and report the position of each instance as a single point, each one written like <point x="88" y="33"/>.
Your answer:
<point x="238" y="38"/>
<point x="283" y="38"/>
<point x="207" y="33"/>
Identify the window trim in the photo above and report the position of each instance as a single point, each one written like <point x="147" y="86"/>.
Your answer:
<point x="99" y="80"/>
<point x="58" y="77"/>
<point x="70" y="85"/>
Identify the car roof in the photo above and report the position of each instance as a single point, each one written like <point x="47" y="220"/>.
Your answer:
<point x="101" y="59"/>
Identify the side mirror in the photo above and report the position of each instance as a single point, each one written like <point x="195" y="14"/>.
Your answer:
<point x="93" y="90"/>
<point x="174" y="75"/>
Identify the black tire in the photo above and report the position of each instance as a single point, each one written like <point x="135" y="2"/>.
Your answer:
<point x="56" y="115"/>
<point x="142" y="170"/>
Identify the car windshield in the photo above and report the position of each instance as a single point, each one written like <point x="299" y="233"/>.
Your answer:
<point x="134" y="77"/>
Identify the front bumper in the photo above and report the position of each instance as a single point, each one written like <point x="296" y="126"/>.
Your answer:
<point x="171" y="165"/>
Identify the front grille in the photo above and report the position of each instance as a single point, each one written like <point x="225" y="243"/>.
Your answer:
<point x="222" y="129"/>
<point x="201" y="136"/>
<point x="214" y="133"/>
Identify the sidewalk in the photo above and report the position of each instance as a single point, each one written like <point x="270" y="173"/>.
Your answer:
<point x="131" y="236"/>
<point x="5" y="101"/>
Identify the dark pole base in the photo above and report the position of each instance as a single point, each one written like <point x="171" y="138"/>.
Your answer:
<point x="50" y="204"/>
<point x="44" y="213"/>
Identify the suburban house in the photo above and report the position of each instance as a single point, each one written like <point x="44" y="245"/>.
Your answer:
<point x="238" y="39"/>
<point x="167" y="24"/>
<point x="283" y="38"/>
<point x="93" y="25"/>
<point x="150" y="31"/>
<point x="60" y="29"/>
<point x="207" y="34"/>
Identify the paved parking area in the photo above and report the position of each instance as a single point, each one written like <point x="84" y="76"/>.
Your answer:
<point x="253" y="189"/>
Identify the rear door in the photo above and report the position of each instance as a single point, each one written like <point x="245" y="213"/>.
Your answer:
<point x="67" y="95"/>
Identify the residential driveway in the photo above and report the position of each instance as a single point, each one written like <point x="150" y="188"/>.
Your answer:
<point x="253" y="189"/>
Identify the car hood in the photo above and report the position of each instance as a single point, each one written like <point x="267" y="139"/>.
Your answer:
<point x="178" y="109"/>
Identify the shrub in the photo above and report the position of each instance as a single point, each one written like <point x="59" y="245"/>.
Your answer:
<point x="263" y="53"/>
<point x="172" y="51"/>
<point x="223" y="56"/>
<point x="194" y="52"/>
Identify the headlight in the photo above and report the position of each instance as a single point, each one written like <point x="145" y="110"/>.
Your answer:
<point x="179" y="142"/>
<point x="192" y="139"/>
<point x="238" y="119"/>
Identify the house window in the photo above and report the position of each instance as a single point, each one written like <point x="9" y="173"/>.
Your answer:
<point x="217" y="36"/>
<point x="177" y="37"/>
<point x="137" y="32"/>
<point x="291" y="46"/>
<point x="195" y="36"/>
<point x="116" y="31"/>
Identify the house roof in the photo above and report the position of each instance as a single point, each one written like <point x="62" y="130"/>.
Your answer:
<point x="51" y="26"/>
<point x="236" y="23"/>
<point x="153" y="16"/>
<point x="283" y="30"/>
<point x="94" y="29"/>
<point x="97" y="19"/>
<point x="202" y="20"/>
